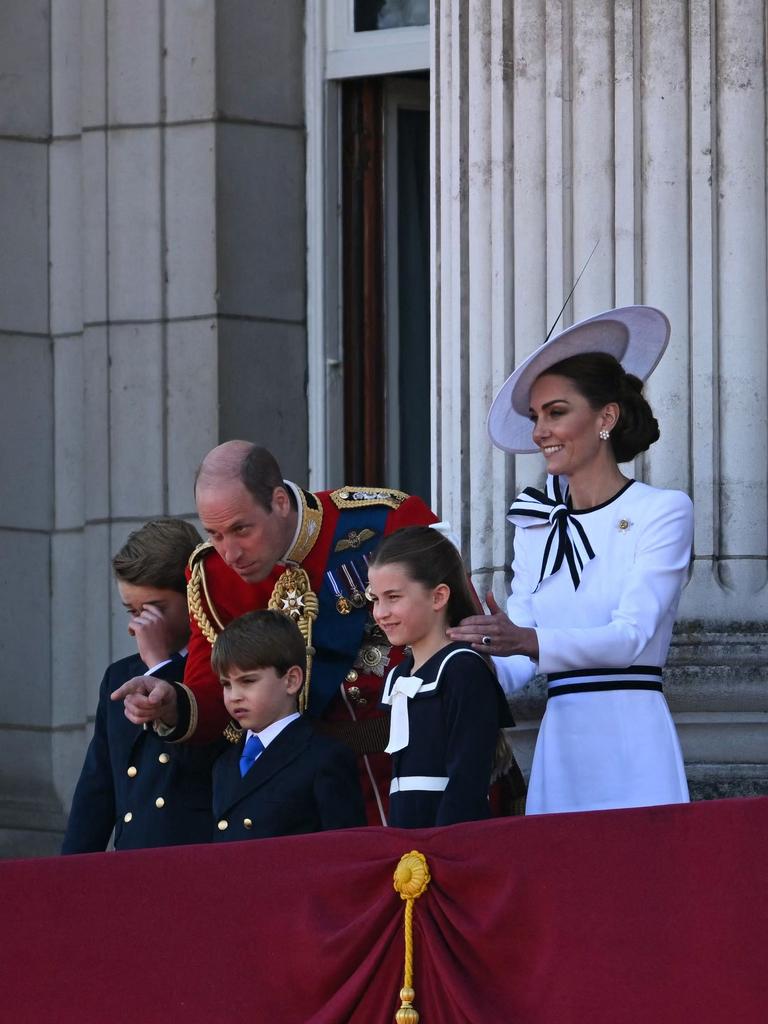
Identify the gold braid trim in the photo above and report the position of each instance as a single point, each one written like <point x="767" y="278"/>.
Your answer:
<point x="193" y="715"/>
<point x="292" y="595"/>
<point x="194" y="599"/>
<point x="364" y="497"/>
<point x="310" y="524"/>
<point x="411" y="880"/>
<point x="232" y="732"/>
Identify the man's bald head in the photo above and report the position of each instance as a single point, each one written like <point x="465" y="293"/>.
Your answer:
<point x="255" y="467"/>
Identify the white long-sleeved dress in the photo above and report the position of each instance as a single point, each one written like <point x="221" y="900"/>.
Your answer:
<point x="614" y="748"/>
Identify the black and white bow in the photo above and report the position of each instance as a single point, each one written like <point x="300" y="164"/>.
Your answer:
<point x="567" y="541"/>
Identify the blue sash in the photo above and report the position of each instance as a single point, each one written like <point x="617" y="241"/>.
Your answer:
<point x="337" y="638"/>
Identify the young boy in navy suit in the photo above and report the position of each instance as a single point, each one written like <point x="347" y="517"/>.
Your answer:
<point x="150" y="792"/>
<point x="282" y="778"/>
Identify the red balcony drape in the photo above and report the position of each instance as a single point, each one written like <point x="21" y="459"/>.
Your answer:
<point x="649" y="916"/>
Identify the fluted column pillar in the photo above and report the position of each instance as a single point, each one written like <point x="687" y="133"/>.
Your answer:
<point x="561" y="123"/>
<point x="640" y="126"/>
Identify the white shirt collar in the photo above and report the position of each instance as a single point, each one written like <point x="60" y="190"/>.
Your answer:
<point x="273" y="731"/>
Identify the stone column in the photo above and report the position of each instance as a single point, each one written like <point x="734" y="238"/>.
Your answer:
<point x="40" y="356"/>
<point x="149" y="267"/>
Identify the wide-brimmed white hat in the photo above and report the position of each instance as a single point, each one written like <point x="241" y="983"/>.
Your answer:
<point x="635" y="335"/>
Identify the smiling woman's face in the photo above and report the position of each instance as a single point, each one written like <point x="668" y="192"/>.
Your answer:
<point x="565" y="426"/>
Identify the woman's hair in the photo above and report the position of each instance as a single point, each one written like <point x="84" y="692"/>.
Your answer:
<point x="429" y="558"/>
<point x="602" y="379"/>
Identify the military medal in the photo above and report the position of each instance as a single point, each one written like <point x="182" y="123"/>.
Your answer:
<point x="343" y="605"/>
<point x="356" y="595"/>
<point x="371" y="657"/>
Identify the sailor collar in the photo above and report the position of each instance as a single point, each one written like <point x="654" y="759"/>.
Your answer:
<point x="309" y="522"/>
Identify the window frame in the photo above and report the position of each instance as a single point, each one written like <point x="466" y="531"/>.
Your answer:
<point x="333" y="52"/>
<point x="386" y="51"/>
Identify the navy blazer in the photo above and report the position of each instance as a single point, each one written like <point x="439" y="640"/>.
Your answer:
<point x="303" y="782"/>
<point x="150" y="792"/>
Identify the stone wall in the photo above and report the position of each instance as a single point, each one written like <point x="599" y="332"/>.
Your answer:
<point x="152" y="303"/>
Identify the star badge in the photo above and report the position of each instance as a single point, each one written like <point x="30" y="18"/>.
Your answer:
<point x="293" y="603"/>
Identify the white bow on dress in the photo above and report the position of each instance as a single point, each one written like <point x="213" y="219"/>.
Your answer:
<point x="399" y="730"/>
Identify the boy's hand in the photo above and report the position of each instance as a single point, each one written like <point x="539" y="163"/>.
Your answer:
<point x="148" y="699"/>
<point x="153" y="635"/>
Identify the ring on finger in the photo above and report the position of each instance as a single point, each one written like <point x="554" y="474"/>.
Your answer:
<point x="486" y="641"/>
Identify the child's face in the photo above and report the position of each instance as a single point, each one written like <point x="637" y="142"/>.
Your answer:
<point x="257" y="697"/>
<point x="406" y="610"/>
<point x="156" y="608"/>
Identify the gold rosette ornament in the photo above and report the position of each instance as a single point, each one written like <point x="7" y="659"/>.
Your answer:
<point x="411" y="880"/>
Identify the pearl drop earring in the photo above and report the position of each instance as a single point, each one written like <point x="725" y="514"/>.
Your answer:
<point x="604" y="435"/>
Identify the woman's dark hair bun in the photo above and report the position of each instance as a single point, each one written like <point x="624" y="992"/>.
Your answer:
<point x="601" y="379"/>
<point x="637" y="428"/>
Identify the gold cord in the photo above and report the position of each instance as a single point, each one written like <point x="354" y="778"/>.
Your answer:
<point x="195" y="603"/>
<point x="411" y="880"/>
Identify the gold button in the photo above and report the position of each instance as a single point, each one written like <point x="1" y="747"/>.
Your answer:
<point x="133" y="772"/>
<point x="247" y="822"/>
<point x="623" y="524"/>
<point x="352" y="676"/>
<point x="164" y="759"/>
<point x="222" y="825"/>
<point x="159" y="802"/>
<point x="127" y="817"/>
<point x="356" y="696"/>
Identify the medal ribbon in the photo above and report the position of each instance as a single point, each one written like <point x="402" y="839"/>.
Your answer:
<point x="337" y="638"/>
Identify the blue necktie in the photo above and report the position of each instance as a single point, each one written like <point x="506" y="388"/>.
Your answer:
<point x="253" y="747"/>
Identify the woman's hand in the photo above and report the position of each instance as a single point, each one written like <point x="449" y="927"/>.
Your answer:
<point x="495" y="633"/>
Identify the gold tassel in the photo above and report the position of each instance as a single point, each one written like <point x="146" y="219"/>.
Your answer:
<point x="411" y="880"/>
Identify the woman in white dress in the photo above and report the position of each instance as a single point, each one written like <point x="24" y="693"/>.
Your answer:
<point x="600" y="561"/>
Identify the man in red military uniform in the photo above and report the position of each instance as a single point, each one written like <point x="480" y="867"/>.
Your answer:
<point x="273" y="544"/>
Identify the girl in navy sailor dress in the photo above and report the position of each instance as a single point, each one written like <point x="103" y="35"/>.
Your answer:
<point x="447" y="706"/>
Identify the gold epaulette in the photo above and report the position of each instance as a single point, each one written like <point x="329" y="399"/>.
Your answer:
<point x="197" y="587"/>
<point x="363" y="497"/>
<point x="204" y="548"/>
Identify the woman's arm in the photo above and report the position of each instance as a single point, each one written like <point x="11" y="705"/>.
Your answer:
<point x="514" y="643"/>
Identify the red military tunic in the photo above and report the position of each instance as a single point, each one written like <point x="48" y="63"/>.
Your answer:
<point x="220" y="595"/>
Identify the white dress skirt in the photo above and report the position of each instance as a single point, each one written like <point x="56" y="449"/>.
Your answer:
<point x="604" y="748"/>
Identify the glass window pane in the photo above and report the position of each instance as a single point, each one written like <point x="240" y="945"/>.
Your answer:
<point x="375" y="14"/>
<point x="414" y="295"/>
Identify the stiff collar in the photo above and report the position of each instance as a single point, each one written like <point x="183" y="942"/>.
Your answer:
<point x="273" y="731"/>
